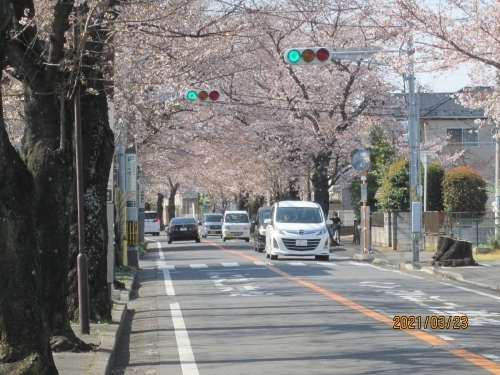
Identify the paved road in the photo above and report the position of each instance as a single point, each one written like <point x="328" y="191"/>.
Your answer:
<point x="220" y="308"/>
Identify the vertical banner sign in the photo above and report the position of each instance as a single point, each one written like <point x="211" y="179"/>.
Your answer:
<point x="131" y="186"/>
<point x="111" y="117"/>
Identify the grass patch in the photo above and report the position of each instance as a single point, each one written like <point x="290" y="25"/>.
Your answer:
<point x="492" y="255"/>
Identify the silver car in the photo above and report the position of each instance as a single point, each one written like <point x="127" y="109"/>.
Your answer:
<point x="211" y="225"/>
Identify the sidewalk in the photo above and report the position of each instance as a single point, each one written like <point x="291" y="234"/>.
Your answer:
<point x="104" y="335"/>
<point x="485" y="275"/>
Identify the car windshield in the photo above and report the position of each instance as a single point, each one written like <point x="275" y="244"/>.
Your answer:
<point x="182" y="221"/>
<point x="265" y="214"/>
<point x="150" y="215"/>
<point x="213" y="218"/>
<point x="299" y="215"/>
<point x="236" y="218"/>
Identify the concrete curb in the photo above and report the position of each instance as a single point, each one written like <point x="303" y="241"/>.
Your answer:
<point x="105" y="355"/>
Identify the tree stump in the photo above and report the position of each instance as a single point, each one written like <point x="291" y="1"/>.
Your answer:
<point x="453" y="253"/>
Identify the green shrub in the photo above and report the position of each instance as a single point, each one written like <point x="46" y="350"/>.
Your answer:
<point x="395" y="190"/>
<point x="464" y="190"/>
<point x="435" y="174"/>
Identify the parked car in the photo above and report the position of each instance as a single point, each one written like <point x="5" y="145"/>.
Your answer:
<point x="259" y="232"/>
<point x="151" y="223"/>
<point x="236" y="224"/>
<point x="183" y="229"/>
<point x="297" y="228"/>
<point x="211" y="225"/>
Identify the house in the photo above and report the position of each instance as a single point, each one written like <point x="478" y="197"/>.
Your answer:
<point x="443" y="119"/>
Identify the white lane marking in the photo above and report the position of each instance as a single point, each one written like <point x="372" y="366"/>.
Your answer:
<point x="169" y="267"/>
<point x="269" y="263"/>
<point x="492" y="357"/>
<point x="328" y="264"/>
<point x="473" y="291"/>
<point x="259" y="263"/>
<point x="186" y="355"/>
<point x="230" y="264"/>
<point x="296" y="264"/>
<point x="169" y="287"/>
<point x="160" y="251"/>
<point x="198" y="266"/>
<point x="395" y="271"/>
<point x="359" y="264"/>
<point x="446" y="338"/>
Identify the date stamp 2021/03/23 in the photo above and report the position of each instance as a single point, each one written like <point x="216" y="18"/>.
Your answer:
<point x="430" y="321"/>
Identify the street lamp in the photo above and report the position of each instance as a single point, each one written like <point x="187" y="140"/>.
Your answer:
<point x="426" y="159"/>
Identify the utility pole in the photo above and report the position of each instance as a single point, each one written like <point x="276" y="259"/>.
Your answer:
<point x="81" y="260"/>
<point x="496" y="206"/>
<point x="413" y="140"/>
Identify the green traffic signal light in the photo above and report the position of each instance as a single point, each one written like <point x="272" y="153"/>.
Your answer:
<point x="293" y="55"/>
<point x="191" y="95"/>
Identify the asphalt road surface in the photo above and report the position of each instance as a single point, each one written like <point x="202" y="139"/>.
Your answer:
<point x="220" y="308"/>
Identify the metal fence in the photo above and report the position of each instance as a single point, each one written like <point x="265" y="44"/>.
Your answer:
<point x="478" y="228"/>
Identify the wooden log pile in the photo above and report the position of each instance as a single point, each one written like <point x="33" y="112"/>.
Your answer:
<point x="452" y="252"/>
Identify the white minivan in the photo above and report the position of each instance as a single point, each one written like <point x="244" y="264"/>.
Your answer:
<point x="297" y="228"/>
<point x="236" y="224"/>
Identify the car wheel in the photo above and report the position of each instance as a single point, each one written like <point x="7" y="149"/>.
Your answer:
<point x="169" y="241"/>
<point x="267" y="255"/>
<point x="274" y="257"/>
<point x="260" y="250"/>
<point x="198" y="240"/>
<point x="157" y="234"/>
<point x="223" y="239"/>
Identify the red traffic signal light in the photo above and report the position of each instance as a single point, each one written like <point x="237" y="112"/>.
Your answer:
<point x="308" y="56"/>
<point x="202" y="95"/>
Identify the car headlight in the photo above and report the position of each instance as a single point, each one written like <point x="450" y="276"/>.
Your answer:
<point x="321" y="232"/>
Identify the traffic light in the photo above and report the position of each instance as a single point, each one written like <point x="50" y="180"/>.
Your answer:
<point x="202" y="95"/>
<point x="308" y="56"/>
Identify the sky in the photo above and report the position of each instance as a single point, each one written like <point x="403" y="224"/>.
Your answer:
<point x="448" y="81"/>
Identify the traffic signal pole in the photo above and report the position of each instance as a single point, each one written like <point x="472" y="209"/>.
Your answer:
<point x="301" y="56"/>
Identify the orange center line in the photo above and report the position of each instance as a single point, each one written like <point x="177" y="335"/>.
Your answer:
<point x="476" y="359"/>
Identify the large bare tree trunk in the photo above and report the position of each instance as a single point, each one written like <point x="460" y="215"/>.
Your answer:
<point x="24" y="338"/>
<point x="321" y="182"/>
<point x="97" y="144"/>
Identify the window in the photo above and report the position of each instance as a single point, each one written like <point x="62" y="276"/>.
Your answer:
<point x="463" y="136"/>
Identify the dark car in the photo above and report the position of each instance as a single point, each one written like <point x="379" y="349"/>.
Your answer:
<point x="259" y="231"/>
<point x="183" y="229"/>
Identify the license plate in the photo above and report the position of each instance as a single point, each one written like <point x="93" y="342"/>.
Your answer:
<point x="300" y="242"/>
<point x="213" y="232"/>
<point x="183" y="229"/>
<point x="238" y="233"/>
<point x="229" y="235"/>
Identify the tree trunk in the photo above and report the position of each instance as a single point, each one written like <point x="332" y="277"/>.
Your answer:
<point x="171" y="199"/>
<point x="321" y="182"/>
<point x="53" y="172"/>
<point x="159" y="209"/>
<point x="98" y="148"/>
<point x="97" y="145"/>
<point x="453" y="253"/>
<point x="24" y="337"/>
<point x="293" y="191"/>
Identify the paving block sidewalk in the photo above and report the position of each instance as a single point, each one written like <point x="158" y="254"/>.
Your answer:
<point x="103" y="335"/>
